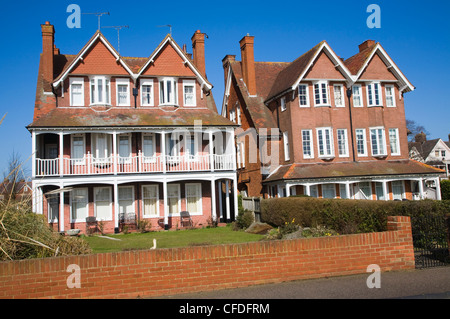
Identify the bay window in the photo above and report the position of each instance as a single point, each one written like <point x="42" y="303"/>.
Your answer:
<point x="100" y="90"/>
<point x="168" y="91"/>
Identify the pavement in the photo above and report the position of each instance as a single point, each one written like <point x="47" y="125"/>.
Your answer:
<point x="431" y="283"/>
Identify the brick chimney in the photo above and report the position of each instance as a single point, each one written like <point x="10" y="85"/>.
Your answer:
<point x="48" y="49"/>
<point x="248" y="63"/>
<point x="366" y="44"/>
<point x="198" y="50"/>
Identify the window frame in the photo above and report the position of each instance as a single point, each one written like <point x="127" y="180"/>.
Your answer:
<point x="79" y="220"/>
<point x="148" y="158"/>
<point x="283" y="104"/>
<point x="286" y="146"/>
<point x="163" y="91"/>
<point x="326" y="155"/>
<point x="77" y="81"/>
<point x="95" y="151"/>
<point x="383" y="140"/>
<point x="156" y="197"/>
<point x="133" y="198"/>
<point x="199" y="196"/>
<point x="357" y="88"/>
<point x="106" y="93"/>
<point x="109" y="217"/>
<point x="151" y="83"/>
<point x="310" y="142"/>
<point x="78" y="160"/>
<point x="346" y="148"/>
<point x="330" y="187"/>
<point x="306" y="95"/>
<point x="364" y="142"/>
<point x="397" y="141"/>
<point x="392" y="87"/>
<point x="341" y="90"/>
<point x="127" y="158"/>
<point x="191" y="83"/>
<point x="178" y="199"/>
<point x="321" y="92"/>
<point x="370" y="90"/>
<point x="121" y="82"/>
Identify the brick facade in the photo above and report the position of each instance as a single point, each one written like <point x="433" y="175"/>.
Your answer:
<point x="180" y="270"/>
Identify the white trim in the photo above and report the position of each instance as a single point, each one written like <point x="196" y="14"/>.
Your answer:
<point x="326" y="155"/>
<point x="321" y="98"/>
<point x="173" y="97"/>
<point x="122" y="81"/>
<point x="397" y="137"/>
<point x="346" y="152"/>
<point x="370" y="90"/>
<point x="306" y="85"/>
<point x="381" y="152"/>
<point x="94" y="99"/>
<point x="341" y="89"/>
<point x="394" y="104"/>
<point x="358" y="88"/>
<point x="364" y="142"/>
<point x="76" y="80"/>
<point x="311" y="144"/>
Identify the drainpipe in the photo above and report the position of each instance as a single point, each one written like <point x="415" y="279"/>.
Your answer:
<point x="349" y="94"/>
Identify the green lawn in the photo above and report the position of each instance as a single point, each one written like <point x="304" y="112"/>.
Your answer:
<point x="169" y="239"/>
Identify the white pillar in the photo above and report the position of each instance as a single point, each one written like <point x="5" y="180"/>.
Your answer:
<point x="385" y="190"/>
<point x="115" y="155"/>
<point x="61" y="154"/>
<point x="233" y="148"/>
<point x="438" y="188"/>
<point x="213" y="200"/>
<point x="61" y="208"/>
<point x="288" y="191"/>
<point x="227" y="199"/>
<point x="235" y="195"/>
<point x="166" y="207"/>
<point x="116" y="205"/>
<point x="163" y="150"/>
<point x="347" y="190"/>
<point x="33" y="154"/>
<point x="421" y="188"/>
<point x="308" y="189"/>
<point x="220" y="200"/>
<point x="211" y="150"/>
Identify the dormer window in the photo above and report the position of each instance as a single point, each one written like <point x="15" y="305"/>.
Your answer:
<point x="100" y="90"/>
<point x="168" y="91"/>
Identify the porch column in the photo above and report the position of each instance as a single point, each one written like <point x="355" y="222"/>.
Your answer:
<point x="61" y="208"/>
<point x="220" y="201"/>
<point x="163" y="151"/>
<point x="166" y="207"/>
<point x="288" y="192"/>
<point x="385" y="191"/>
<point x="227" y="200"/>
<point x="308" y="189"/>
<point x="235" y="195"/>
<point x="233" y="148"/>
<point x="61" y="154"/>
<point x="115" y="156"/>
<point x="213" y="200"/>
<point x="347" y="190"/>
<point x="116" y="207"/>
<point x="211" y="150"/>
<point x="438" y="188"/>
<point x="421" y="188"/>
<point x="33" y="154"/>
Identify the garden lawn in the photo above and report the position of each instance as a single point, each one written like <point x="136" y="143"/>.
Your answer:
<point x="169" y="239"/>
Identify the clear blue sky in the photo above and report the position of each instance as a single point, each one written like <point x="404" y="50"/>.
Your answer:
<point x="416" y="34"/>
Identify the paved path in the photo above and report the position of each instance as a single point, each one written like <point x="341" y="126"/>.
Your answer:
<point x="422" y="284"/>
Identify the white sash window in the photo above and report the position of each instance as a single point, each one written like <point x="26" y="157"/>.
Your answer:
<point x="150" y="196"/>
<point x="194" y="198"/>
<point x="79" y="204"/>
<point x="103" y="203"/>
<point x="173" y="198"/>
<point x="126" y="199"/>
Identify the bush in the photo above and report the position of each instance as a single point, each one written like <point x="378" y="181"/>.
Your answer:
<point x="445" y="189"/>
<point x="24" y="234"/>
<point x="343" y="215"/>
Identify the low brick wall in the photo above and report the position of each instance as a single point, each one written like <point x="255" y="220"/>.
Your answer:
<point x="178" y="270"/>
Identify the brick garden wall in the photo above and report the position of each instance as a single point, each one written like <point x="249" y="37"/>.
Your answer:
<point x="178" y="270"/>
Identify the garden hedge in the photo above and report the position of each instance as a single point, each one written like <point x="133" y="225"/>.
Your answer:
<point x="343" y="215"/>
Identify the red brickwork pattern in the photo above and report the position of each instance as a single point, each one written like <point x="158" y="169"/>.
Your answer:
<point x="169" y="271"/>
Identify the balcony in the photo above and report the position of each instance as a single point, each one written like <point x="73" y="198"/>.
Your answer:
<point x="89" y="165"/>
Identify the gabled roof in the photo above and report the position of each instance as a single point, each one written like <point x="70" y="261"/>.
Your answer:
<point x="289" y="78"/>
<point x="98" y="36"/>
<point x="358" y="63"/>
<point x="169" y="40"/>
<point x="426" y="147"/>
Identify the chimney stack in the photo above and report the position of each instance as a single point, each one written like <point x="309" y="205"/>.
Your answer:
<point x="366" y="44"/>
<point x="48" y="48"/>
<point x="198" y="50"/>
<point x="248" y="63"/>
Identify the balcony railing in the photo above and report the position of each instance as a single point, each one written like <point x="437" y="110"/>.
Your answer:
<point x="90" y="165"/>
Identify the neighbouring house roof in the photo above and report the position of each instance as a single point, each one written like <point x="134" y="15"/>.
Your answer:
<point x="424" y="148"/>
<point x="351" y="169"/>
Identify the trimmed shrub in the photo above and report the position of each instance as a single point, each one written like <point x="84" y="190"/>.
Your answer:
<point x="343" y="215"/>
<point x="445" y="189"/>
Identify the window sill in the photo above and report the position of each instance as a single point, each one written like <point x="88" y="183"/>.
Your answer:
<point x="327" y="158"/>
<point x="380" y="156"/>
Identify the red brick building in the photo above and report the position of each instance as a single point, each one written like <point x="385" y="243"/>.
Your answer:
<point x="129" y="138"/>
<point x="322" y="126"/>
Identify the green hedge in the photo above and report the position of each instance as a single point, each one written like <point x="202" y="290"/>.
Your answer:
<point x="345" y="216"/>
<point x="445" y="189"/>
